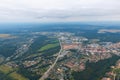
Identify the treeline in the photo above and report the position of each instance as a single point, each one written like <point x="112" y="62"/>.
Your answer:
<point x="105" y="37"/>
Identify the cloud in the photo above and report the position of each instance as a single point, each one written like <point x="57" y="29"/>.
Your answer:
<point x="60" y="10"/>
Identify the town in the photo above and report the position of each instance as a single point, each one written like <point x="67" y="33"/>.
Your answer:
<point x="75" y="52"/>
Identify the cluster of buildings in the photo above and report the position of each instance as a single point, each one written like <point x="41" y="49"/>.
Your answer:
<point x="97" y="50"/>
<point x="69" y="41"/>
<point x="75" y="66"/>
<point x="12" y="64"/>
<point x="94" y="48"/>
<point x="30" y="63"/>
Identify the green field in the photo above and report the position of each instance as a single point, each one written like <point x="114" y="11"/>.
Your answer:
<point x="17" y="76"/>
<point x="48" y="46"/>
<point x="5" y="69"/>
<point x="9" y="71"/>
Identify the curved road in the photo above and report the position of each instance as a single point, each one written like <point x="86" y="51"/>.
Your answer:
<point x="46" y="74"/>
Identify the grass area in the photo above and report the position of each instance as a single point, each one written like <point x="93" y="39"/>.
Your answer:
<point x="48" y="46"/>
<point x="8" y="71"/>
<point x="17" y="76"/>
<point x="5" y="69"/>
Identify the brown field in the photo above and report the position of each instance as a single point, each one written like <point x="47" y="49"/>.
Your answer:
<point x="69" y="46"/>
<point x="4" y="35"/>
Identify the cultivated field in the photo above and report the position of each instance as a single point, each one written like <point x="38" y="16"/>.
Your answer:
<point x="4" y="35"/>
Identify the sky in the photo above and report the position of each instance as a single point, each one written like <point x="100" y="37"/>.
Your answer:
<point x="59" y="10"/>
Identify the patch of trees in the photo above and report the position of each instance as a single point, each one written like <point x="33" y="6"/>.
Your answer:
<point x="28" y="74"/>
<point x="95" y="71"/>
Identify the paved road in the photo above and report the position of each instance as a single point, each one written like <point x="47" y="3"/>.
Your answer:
<point x="46" y="74"/>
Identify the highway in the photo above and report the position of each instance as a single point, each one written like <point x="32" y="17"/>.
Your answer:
<point x="46" y="74"/>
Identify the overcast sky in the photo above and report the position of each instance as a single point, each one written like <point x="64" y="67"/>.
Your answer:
<point x="59" y="10"/>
